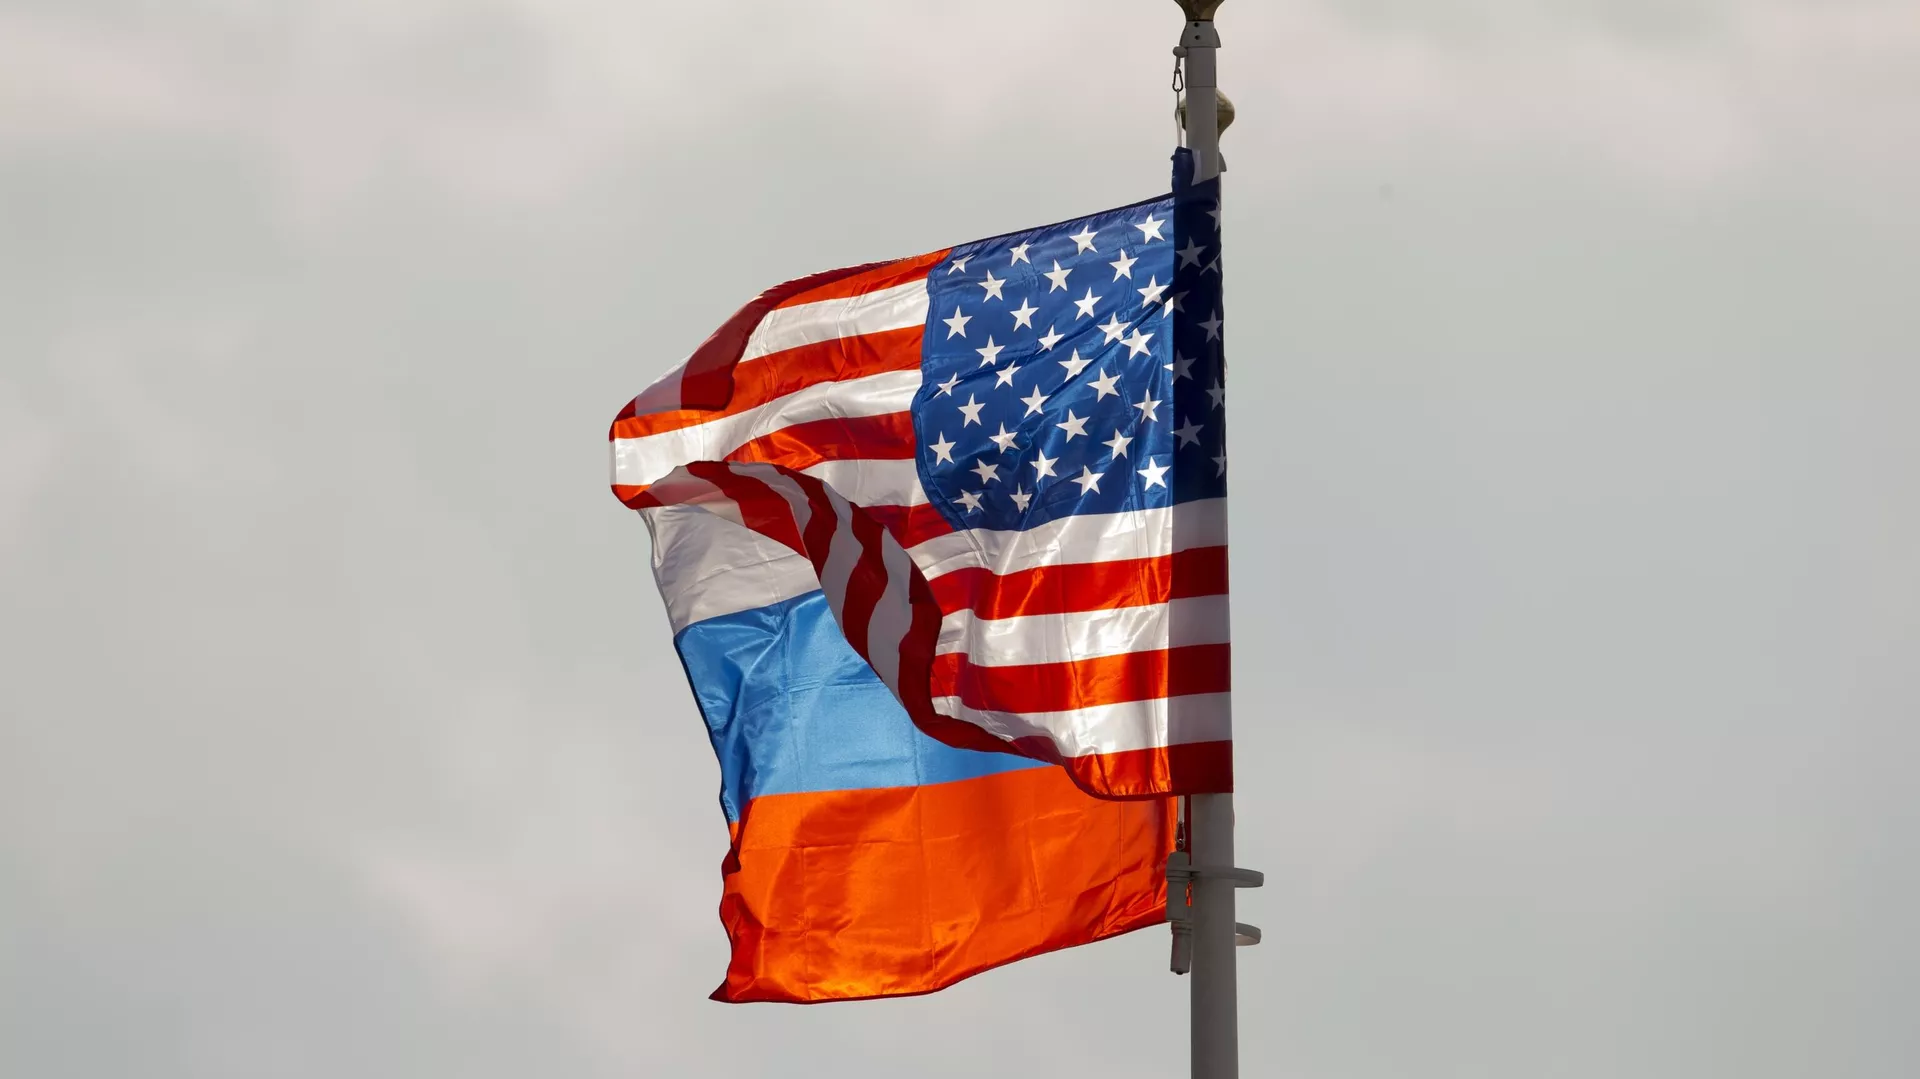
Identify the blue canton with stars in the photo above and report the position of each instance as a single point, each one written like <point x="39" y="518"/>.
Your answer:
<point x="1077" y="368"/>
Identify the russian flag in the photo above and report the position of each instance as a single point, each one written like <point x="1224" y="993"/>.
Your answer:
<point x="866" y="858"/>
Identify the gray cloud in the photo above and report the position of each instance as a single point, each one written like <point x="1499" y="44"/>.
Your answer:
<point x="515" y="100"/>
<point x="339" y="730"/>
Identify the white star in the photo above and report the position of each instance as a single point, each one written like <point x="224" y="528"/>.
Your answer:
<point x="947" y="386"/>
<point x="1213" y="266"/>
<point x="1004" y="377"/>
<point x="1083" y="240"/>
<point x="1122" y="266"/>
<point x="1180" y="366"/>
<point x="1214" y="212"/>
<point x="1004" y="439"/>
<point x="969" y="499"/>
<point x="987" y="473"/>
<point x="1033" y="403"/>
<point x="1175" y="302"/>
<point x="1051" y="339"/>
<point x="1058" y="276"/>
<point x="991" y="354"/>
<point x="1218" y="393"/>
<point x="1221" y="462"/>
<point x="1075" y="425"/>
<point x="1150" y="228"/>
<point x="1042" y="464"/>
<point x="1021" y="497"/>
<point x="1212" y="326"/>
<point x="1103" y="386"/>
<point x="1118" y="444"/>
<point x="1074" y="364"/>
<point x="1146" y="405"/>
<point x="1020" y="253"/>
<point x="1137" y="343"/>
<point x="1153" y="473"/>
<point x="992" y="285"/>
<point x="1023" y="315"/>
<point x="1190" y="254"/>
<point x="971" y="410"/>
<point x="1088" y="479"/>
<point x="957" y="325"/>
<point x="1188" y="435"/>
<point x="942" y="450"/>
<point x="1113" y="328"/>
<point x="1151" y="294"/>
<point x="958" y="264"/>
<point x="1085" y="304"/>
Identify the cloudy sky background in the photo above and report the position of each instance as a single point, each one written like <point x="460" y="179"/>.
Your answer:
<point x="1576" y="355"/>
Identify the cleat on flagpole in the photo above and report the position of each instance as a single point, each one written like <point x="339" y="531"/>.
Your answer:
<point x="1181" y="873"/>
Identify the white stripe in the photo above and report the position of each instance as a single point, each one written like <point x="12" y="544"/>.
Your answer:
<point x="1064" y="638"/>
<point x="663" y="395"/>
<point x="893" y="308"/>
<point x="640" y="461"/>
<point x="873" y="483"/>
<point x="843" y="554"/>
<point x="1092" y="537"/>
<point x="706" y="567"/>
<point x="892" y="616"/>
<point x="687" y="490"/>
<point x="1109" y="728"/>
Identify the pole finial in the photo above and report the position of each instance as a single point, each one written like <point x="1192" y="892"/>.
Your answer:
<point x="1223" y="112"/>
<point x="1200" y="10"/>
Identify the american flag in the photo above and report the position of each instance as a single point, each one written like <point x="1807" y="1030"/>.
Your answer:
<point x="1005" y="465"/>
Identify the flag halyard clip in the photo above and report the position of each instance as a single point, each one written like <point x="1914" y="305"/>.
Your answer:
<point x="1181" y="874"/>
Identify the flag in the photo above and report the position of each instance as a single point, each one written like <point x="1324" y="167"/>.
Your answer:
<point x="954" y="645"/>
<point x="1006" y="462"/>
<point x="867" y="859"/>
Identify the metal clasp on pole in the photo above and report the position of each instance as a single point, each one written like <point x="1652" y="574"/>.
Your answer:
<point x="1181" y="874"/>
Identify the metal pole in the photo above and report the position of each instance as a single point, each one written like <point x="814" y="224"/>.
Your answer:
<point x="1215" y="992"/>
<point x="1214" y="999"/>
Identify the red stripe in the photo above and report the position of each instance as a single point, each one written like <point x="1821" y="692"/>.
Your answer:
<point x="758" y="382"/>
<point x="865" y="584"/>
<point x="880" y="438"/>
<point x="877" y="276"/>
<point x="1084" y="586"/>
<point x="916" y="672"/>
<point x="1191" y="768"/>
<point x="1084" y="683"/>
<point x="911" y="524"/>
<point x="821" y="524"/>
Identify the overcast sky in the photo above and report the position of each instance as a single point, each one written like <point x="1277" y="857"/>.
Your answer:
<point x="1576" y="355"/>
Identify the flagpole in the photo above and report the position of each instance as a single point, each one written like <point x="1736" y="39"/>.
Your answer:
<point x="1214" y="1003"/>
